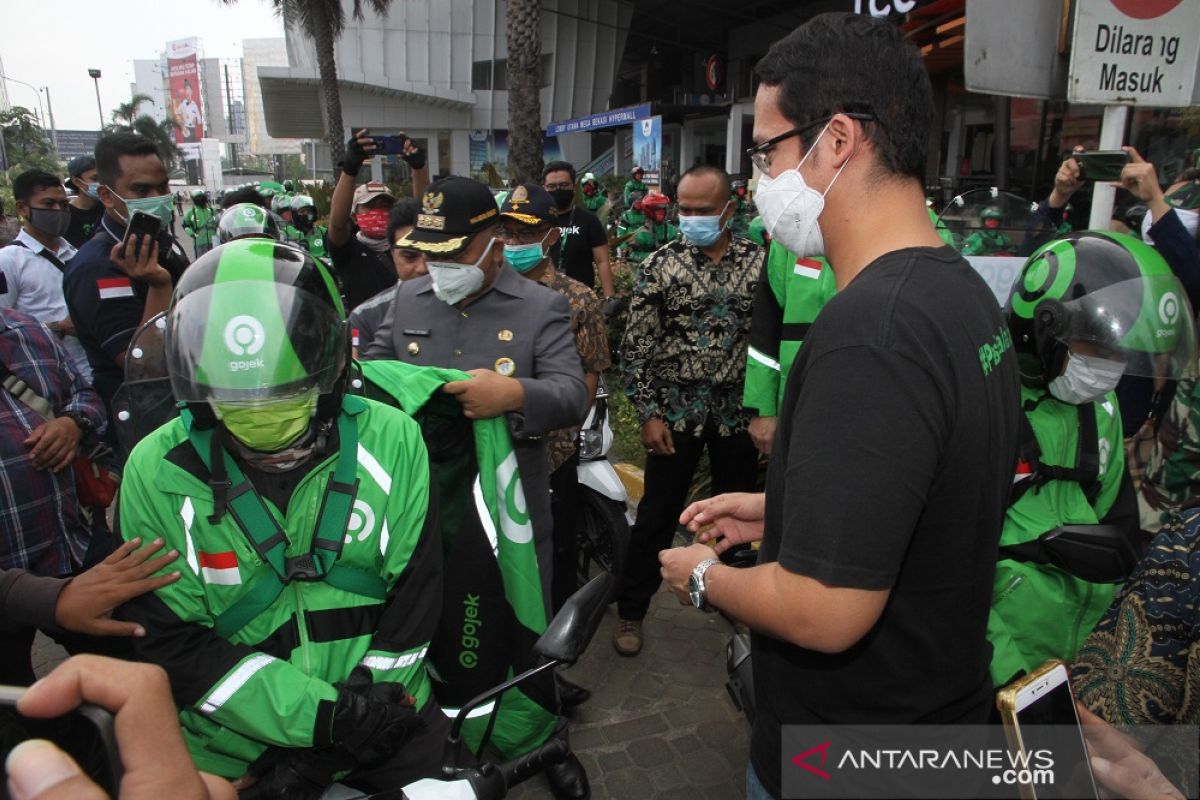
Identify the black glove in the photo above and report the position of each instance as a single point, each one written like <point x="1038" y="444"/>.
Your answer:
<point x="353" y="160"/>
<point x="415" y="159"/>
<point x="370" y="722"/>
<point x="292" y="774"/>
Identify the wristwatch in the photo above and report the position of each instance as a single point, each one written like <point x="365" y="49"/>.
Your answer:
<point x="696" y="584"/>
<point x="84" y="424"/>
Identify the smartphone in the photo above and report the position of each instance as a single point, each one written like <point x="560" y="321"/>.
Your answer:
<point x="389" y="145"/>
<point x="86" y="734"/>
<point x="1041" y="725"/>
<point x="1101" y="165"/>
<point x="140" y="224"/>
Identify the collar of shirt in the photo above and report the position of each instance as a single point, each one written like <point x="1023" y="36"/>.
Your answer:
<point x="113" y="226"/>
<point x="63" y="252"/>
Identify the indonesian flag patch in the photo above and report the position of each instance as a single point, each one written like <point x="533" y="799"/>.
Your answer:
<point x="114" y="287"/>
<point x="220" y="568"/>
<point x="808" y="268"/>
<point x="1024" y="470"/>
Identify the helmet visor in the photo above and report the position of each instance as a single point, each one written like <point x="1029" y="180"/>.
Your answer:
<point x="253" y="340"/>
<point x="1145" y="322"/>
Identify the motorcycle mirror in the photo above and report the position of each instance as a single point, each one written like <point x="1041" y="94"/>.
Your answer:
<point x="568" y="634"/>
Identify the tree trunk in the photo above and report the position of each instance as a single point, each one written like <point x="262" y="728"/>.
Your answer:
<point x="327" y="68"/>
<point x="524" y="30"/>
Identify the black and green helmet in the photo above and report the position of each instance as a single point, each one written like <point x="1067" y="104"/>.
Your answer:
<point x="1107" y="293"/>
<point x="243" y="220"/>
<point x="256" y="321"/>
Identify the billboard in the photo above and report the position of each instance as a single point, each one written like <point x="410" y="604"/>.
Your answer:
<point x="647" y="148"/>
<point x="183" y="78"/>
<point x="489" y="155"/>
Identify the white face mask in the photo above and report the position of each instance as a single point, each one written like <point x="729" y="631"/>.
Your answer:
<point x="790" y="207"/>
<point x="1189" y="218"/>
<point x="453" y="282"/>
<point x="1086" y="378"/>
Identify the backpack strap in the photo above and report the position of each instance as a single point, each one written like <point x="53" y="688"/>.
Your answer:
<point x="1086" y="471"/>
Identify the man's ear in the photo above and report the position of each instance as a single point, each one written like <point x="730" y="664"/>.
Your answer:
<point x="22" y="209"/>
<point x="555" y="235"/>
<point x="107" y="197"/>
<point x="845" y="137"/>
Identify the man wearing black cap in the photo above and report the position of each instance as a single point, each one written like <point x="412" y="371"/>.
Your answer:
<point x="475" y="313"/>
<point x="86" y="209"/>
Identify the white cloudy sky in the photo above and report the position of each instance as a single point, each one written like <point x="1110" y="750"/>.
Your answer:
<point x="54" y="42"/>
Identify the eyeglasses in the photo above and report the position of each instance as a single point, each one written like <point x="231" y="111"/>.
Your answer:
<point x="522" y="235"/>
<point x="760" y="154"/>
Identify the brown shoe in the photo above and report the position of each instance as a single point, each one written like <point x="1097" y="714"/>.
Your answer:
<point x="627" y="638"/>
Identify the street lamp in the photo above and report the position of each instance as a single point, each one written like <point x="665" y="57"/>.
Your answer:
<point x="41" y="112"/>
<point x="94" y="74"/>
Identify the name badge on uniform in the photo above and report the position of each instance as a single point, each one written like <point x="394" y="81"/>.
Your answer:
<point x="417" y="331"/>
<point x="505" y="335"/>
<point x="505" y="367"/>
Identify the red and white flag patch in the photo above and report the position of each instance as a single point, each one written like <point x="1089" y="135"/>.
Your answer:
<point x="808" y="268"/>
<point x="114" y="287"/>
<point x="1024" y="470"/>
<point x="220" y="568"/>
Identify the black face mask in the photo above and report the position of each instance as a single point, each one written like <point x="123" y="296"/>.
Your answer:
<point x="302" y="220"/>
<point x="563" y="198"/>
<point x="50" y="221"/>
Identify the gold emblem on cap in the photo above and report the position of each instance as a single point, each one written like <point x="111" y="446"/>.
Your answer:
<point x="504" y="335"/>
<point x="505" y="366"/>
<point x="519" y="196"/>
<point x="432" y="202"/>
<point x="413" y="348"/>
<point x="431" y="222"/>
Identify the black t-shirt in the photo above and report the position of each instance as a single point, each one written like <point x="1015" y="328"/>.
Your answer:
<point x="891" y="469"/>
<point x="362" y="271"/>
<point x="84" y="224"/>
<point x="581" y="231"/>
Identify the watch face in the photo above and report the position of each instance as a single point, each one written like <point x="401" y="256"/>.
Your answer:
<point x="694" y="590"/>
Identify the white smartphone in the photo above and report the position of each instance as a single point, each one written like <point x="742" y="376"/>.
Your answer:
<point x="1042" y="725"/>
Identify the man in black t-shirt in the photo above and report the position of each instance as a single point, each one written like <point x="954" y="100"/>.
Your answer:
<point x="86" y="209"/>
<point x="583" y="254"/>
<point x="898" y="432"/>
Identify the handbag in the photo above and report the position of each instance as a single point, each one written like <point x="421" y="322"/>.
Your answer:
<point x="95" y="485"/>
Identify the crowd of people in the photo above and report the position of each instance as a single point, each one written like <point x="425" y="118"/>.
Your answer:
<point x="375" y="424"/>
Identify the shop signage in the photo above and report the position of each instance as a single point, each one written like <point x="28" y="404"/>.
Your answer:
<point x="605" y="119"/>
<point x="1142" y="54"/>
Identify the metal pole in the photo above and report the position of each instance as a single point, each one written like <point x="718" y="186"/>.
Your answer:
<point x="1112" y="136"/>
<point x="53" y="127"/>
<point x="95" y="75"/>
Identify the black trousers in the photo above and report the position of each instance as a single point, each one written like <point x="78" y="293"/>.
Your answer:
<point x="734" y="469"/>
<point x="564" y="505"/>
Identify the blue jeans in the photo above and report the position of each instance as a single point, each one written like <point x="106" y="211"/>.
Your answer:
<point x="754" y="788"/>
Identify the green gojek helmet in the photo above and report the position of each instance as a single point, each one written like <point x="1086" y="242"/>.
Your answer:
<point x="289" y="186"/>
<point x="197" y="193"/>
<point x="253" y="325"/>
<point x="281" y="202"/>
<point x="991" y="212"/>
<point x="245" y="220"/>
<point x="304" y="211"/>
<point x="757" y="231"/>
<point x="1108" y="295"/>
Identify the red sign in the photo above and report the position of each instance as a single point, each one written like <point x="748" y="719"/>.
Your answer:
<point x="184" y="79"/>
<point x="1145" y="9"/>
<point x="714" y="72"/>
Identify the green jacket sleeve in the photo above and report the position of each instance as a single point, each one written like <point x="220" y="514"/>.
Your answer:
<point x="189" y="222"/>
<point x="763" y="370"/>
<point x="236" y="686"/>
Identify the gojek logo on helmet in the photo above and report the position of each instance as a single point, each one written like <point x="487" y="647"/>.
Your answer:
<point x="1168" y="312"/>
<point x="245" y="336"/>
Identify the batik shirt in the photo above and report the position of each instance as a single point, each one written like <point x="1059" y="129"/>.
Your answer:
<point x="1172" y="474"/>
<point x="683" y="358"/>
<point x="591" y="340"/>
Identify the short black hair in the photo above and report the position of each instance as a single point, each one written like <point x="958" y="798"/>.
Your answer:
<point x="110" y="148"/>
<point x="559" y="166"/>
<point x="700" y="170"/>
<point x="404" y="215"/>
<point x="844" y="62"/>
<point x="80" y="164"/>
<point x="32" y="181"/>
<point x="246" y="194"/>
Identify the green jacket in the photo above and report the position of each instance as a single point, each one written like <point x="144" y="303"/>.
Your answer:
<point x="790" y="294"/>
<point x="313" y="241"/>
<point x="1040" y="611"/>
<point x="632" y="186"/>
<point x="201" y="225"/>
<point x="646" y="241"/>
<point x="273" y="681"/>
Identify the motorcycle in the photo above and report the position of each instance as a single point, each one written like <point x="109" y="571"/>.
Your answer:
<point x="602" y="521"/>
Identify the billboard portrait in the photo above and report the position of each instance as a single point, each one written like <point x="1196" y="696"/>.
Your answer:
<point x="184" y="83"/>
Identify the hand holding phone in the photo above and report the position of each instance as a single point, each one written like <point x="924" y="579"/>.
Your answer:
<point x="1140" y="179"/>
<point x="137" y="257"/>
<point x="144" y="739"/>
<point x="1101" y="165"/>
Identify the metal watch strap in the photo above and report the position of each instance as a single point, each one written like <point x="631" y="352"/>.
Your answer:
<point x="698" y="573"/>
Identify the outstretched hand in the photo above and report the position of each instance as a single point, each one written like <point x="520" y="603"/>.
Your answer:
<point x="727" y="520"/>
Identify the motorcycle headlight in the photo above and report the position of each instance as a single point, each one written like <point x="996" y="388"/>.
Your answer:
<point x="591" y="444"/>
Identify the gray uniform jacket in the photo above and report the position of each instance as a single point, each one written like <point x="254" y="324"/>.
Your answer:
<point x="518" y="328"/>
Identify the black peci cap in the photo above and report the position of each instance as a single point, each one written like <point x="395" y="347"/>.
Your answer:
<point x="453" y="210"/>
<point x="529" y="204"/>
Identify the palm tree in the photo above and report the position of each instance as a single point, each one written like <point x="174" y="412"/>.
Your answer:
<point x="323" y="21"/>
<point x="524" y="30"/>
<point x="127" y="119"/>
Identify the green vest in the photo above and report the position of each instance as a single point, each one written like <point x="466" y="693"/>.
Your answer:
<point x="790" y="295"/>
<point x="645" y="241"/>
<point x="1039" y="611"/>
<point x="201" y="225"/>
<point x="267" y="685"/>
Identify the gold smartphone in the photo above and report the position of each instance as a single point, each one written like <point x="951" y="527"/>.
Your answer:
<point x="1044" y="735"/>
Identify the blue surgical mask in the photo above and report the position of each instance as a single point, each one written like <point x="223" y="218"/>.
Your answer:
<point x="161" y="206"/>
<point x="702" y="231"/>
<point x="524" y="257"/>
<point x="92" y="190"/>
